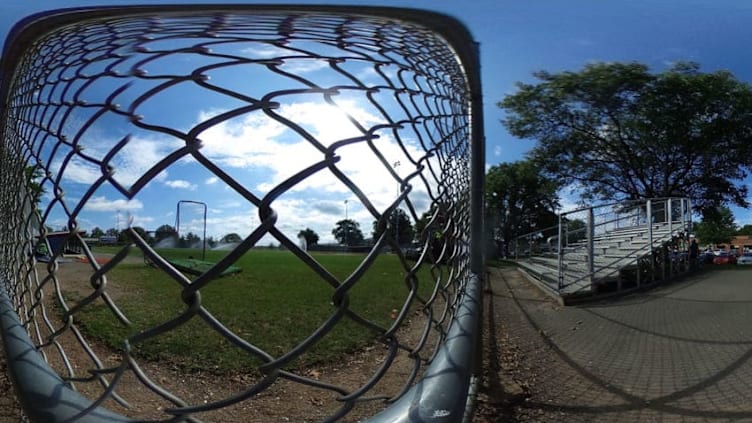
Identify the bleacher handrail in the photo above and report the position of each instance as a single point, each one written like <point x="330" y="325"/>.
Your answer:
<point x="598" y="221"/>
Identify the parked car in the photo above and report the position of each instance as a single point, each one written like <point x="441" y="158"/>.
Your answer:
<point x="706" y="257"/>
<point x="744" y="259"/>
<point x="724" y="258"/>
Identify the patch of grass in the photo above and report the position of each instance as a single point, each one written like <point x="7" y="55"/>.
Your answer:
<point x="274" y="303"/>
<point x="114" y="249"/>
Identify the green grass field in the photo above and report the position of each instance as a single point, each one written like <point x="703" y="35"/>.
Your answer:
<point x="274" y="303"/>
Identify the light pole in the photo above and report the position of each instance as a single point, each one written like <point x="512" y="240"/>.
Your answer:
<point x="346" y="223"/>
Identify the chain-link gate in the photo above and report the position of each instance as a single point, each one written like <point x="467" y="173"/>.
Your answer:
<point x="101" y="106"/>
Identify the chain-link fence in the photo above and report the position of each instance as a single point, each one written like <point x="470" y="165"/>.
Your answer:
<point x="272" y="118"/>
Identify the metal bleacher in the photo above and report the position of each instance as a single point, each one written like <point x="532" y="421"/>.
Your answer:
<point x="613" y="248"/>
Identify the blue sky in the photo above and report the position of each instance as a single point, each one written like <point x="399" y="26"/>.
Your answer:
<point x="516" y="38"/>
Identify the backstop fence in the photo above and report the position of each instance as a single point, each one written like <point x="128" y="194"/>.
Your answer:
<point x="274" y="116"/>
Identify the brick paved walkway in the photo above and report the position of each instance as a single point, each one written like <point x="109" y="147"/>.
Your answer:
<point x="678" y="353"/>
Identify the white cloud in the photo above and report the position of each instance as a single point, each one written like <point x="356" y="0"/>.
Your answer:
<point x="78" y="170"/>
<point x="265" y="51"/>
<point x="102" y="204"/>
<point x="140" y="155"/>
<point x="181" y="184"/>
<point x="231" y="204"/>
<point x="142" y="221"/>
<point x="259" y="142"/>
<point x="303" y="66"/>
<point x="211" y="181"/>
<point x="129" y="164"/>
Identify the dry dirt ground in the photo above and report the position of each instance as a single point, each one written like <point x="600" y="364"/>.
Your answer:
<point x="512" y="364"/>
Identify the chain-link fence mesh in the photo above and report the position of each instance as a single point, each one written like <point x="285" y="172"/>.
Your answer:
<point x="272" y="117"/>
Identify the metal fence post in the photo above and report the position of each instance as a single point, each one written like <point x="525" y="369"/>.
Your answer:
<point x="590" y="244"/>
<point x="669" y="214"/>
<point x="649" y="211"/>
<point x="560" y="254"/>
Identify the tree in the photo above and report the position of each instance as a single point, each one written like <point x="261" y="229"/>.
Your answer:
<point x="231" y="238"/>
<point x="745" y="230"/>
<point x="347" y="232"/>
<point x="165" y="232"/>
<point x="190" y="240"/>
<point x="143" y="234"/>
<point x="619" y="132"/>
<point x="520" y="199"/>
<point x="97" y="232"/>
<point x="575" y="230"/>
<point x="422" y="223"/>
<point x="123" y="236"/>
<point x="311" y="237"/>
<point x="33" y="174"/>
<point x="716" y="227"/>
<point x="399" y="227"/>
<point x="433" y="229"/>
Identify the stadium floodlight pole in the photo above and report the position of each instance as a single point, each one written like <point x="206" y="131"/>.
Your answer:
<point x="177" y="224"/>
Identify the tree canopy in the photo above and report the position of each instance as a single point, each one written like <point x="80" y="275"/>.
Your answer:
<point x="123" y="236"/>
<point x="617" y="131"/>
<point x="165" y="232"/>
<point x="745" y="230"/>
<point x="431" y="231"/>
<point x="717" y="227"/>
<point x="347" y="232"/>
<point x="520" y="199"/>
<point x="400" y="227"/>
<point x="33" y="175"/>
<point x="231" y="238"/>
<point x="311" y="237"/>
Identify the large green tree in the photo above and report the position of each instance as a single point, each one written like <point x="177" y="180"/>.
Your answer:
<point x="190" y="240"/>
<point x="745" y="230"/>
<point x="231" y="238"/>
<point x="433" y="231"/>
<point x="716" y="227"/>
<point x="399" y="226"/>
<point x="347" y="232"/>
<point x="617" y="131"/>
<point x="165" y="232"/>
<point x="311" y="237"/>
<point x="124" y="237"/>
<point x="33" y="176"/>
<point x="519" y="199"/>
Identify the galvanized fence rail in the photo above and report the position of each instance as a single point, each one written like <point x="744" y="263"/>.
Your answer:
<point x="100" y="104"/>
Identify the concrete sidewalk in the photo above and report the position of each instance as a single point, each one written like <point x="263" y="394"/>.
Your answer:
<point x="679" y="353"/>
